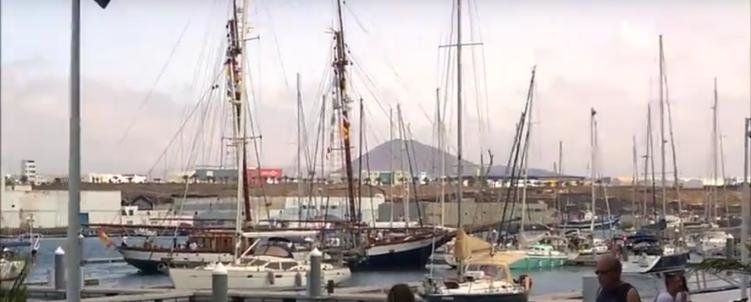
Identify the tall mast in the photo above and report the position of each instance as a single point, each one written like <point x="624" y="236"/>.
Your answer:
<point x="235" y="77"/>
<point x="234" y="72"/>
<point x="651" y="152"/>
<point x="525" y="151"/>
<point x="441" y="147"/>
<point x="662" y="136"/>
<point x="391" y="166"/>
<point x="676" y="180"/>
<point x="647" y="137"/>
<point x="299" y="151"/>
<point x="359" y="161"/>
<point x="713" y="205"/>
<point x="634" y="177"/>
<point x="593" y="166"/>
<point x="459" y="170"/>
<point x="560" y="177"/>
<point x="340" y="67"/>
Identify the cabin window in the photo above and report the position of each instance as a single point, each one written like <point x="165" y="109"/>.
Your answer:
<point x="273" y="265"/>
<point x="288" y="265"/>
<point x="130" y="212"/>
<point x="258" y="262"/>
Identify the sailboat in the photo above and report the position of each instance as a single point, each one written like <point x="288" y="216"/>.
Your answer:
<point x="478" y="278"/>
<point x="652" y="254"/>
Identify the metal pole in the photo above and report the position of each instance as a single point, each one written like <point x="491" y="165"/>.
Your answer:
<point x="745" y="209"/>
<point x="219" y="283"/>
<point x="59" y="268"/>
<point x="73" y="288"/>
<point x="314" y="281"/>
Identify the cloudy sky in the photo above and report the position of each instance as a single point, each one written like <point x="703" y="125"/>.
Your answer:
<point x="145" y="65"/>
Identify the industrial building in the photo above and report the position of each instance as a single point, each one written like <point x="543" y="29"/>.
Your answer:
<point x="48" y="209"/>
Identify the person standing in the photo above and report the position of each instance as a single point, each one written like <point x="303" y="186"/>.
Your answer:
<point x="675" y="289"/>
<point x="612" y="288"/>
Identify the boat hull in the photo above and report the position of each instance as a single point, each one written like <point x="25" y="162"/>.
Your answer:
<point x="539" y="262"/>
<point x="656" y="264"/>
<point x="156" y="262"/>
<point x="398" y="255"/>
<point x="199" y="278"/>
<point x="520" y="297"/>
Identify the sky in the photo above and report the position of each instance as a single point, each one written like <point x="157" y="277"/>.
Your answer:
<point x="146" y="64"/>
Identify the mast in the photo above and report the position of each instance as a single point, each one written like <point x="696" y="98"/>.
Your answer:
<point x="402" y="154"/>
<point x="340" y="68"/>
<point x="713" y="203"/>
<point x="299" y="151"/>
<point x="234" y="72"/>
<point x="560" y="177"/>
<point x="359" y="162"/>
<point x="525" y="151"/>
<point x="459" y="170"/>
<point x="651" y="153"/>
<point x="634" y="177"/>
<point x="391" y="166"/>
<point x="443" y="155"/>
<point x="662" y="136"/>
<point x="593" y="167"/>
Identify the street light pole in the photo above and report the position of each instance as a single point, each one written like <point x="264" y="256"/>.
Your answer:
<point x="73" y="287"/>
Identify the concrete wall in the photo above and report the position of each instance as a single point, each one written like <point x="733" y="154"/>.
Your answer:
<point x="49" y="209"/>
<point x="474" y="213"/>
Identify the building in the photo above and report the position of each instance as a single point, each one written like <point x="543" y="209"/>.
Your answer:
<point x="28" y="171"/>
<point x="107" y="178"/>
<point x="264" y="175"/>
<point x="48" y="209"/>
<point x="215" y="175"/>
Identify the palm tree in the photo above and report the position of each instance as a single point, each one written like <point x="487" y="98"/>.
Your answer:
<point x="717" y="265"/>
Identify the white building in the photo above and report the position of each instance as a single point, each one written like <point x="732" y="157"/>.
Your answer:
<point x="49" y="209"/>
<point x="107" y="178"/>
<point x="29" y="170"/>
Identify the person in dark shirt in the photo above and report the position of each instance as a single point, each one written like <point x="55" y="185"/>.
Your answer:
<point x="400" y="293"/>
<point x="612" y="288"/>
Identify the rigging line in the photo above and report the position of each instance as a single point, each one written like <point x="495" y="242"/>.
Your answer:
<point x="477" y="96"/>
<point x="156" y="82"/>
<point x="357" y="19"/>
<point x="368" y="88"/>
<point x="276" y="45"/>
<point x="205" y="96"/>
<point x="484" y="71"/>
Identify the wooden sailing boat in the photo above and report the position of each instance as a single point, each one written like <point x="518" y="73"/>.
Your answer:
<point x="378" y="248"/>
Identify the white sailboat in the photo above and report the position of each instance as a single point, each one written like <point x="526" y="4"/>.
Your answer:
<point x="485" y="278"/>
<point x="256" y="272"/>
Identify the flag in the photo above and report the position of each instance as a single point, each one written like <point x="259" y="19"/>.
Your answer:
<point x="104" y="238"/>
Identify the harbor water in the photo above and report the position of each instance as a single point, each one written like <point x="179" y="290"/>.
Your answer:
<point x="120" y="274"/>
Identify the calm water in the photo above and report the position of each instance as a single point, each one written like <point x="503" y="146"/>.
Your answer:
<point x="563" y="279"/>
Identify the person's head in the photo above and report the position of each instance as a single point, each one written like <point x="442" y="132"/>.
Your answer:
<point x="675" y="282"/>
<point x="400" y="293"/>
<point x="608" y="271"/>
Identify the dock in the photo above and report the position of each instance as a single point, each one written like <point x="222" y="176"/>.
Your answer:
<point x="102" y="260"/>
<point x="105" y="294"/>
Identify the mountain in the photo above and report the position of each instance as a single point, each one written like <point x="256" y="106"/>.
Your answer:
<point x="424" y="159"/>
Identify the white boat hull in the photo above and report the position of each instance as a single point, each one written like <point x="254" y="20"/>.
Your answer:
<point x="200" y="278"/>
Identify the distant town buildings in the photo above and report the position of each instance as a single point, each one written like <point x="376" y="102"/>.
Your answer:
<point x="106" y="178"/>
<point x="28" y="171"/>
